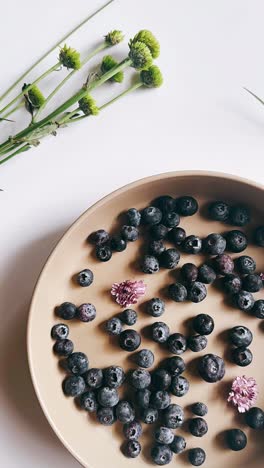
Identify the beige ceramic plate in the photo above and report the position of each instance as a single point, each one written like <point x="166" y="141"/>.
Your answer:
<point x="96" y="446"/>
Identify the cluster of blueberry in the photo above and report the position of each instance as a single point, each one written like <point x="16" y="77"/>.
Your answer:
<point x="69" y="311"/>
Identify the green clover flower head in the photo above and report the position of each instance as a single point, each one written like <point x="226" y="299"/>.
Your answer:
<point x="88" y="105"/>
<point x="149" y="39"/>
<point x="152" y="78"/>
<point x="140" y="55"/>
<point x="114" y="37"/>
<point x="70" y="58"/>
<point x="35" y="97"/>
<point x="107" y="64"/>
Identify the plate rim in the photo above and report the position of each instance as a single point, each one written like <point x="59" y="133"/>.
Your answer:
<point x="94" y="206"/>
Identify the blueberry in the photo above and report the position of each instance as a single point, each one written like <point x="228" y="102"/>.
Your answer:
<point x="214" y="244"/>
<point x="100" y="237"/>
<point x="114" y="376"/>
<point x="239" y="215"/>
<point x="107" y="397"/>
<point x="132" y="448"/>
<point x="66" y="311"/>
<point x="165" y="203"/>
<point x="133" y="217"/>
<point x="144" y="358"/>
<point x="171" y="219"/>
<point x="218" y="211"/>
<point x="86" y="312"/>
<point x="243" y="300"/>
<point x="125" y="412"/>
<point x="151" y="215"/>
<point x="211" y="368"/>
<point x="129" y="340"/>
<point x="114" y="326"/>
<point x="163" y="435"/>
<point x="160" y="400"/>
<point x="258" y="309"/>
<point x="245" y="264"/>
<point x="179" y="386"/>
<point x="240" y="336"/>
<point x="196" y="456"/>
<point x="63" y="347"/>
<point x="175" y="365"/>
<point x="177" y="235"/>
<point x="192" y="244"/>
<point x="242" y="356"/>
<point x="85" y="277"/>
<point x="236" y="241"/>
<point x="178" y="445"/>
<point x="203" y="324"/>
<point x="150" y="264"/>
<point x="94" y="377"/>
<point x="60" y="331"/>
<point x="149" y="415"/>
<point x="77" y="363"/>
<point x="155" y="307"/>
<point x="186" y="206"/>
<point x="142" y="398"/>
<point x="197" y="292"/>
<point x="161" y="379"/>
<point x="200" y="409"/>
<point x="130" y="233"/>
<point x="88" y="401"/>
<point x="173" y="416"/>
<point x="140" y="379"/>
<point x="236" y="439"/>
<point x="132" y="430"/>
<point x="259" y="236"/>
<point x="177" y="292"/>
<point x="206" y="274"/>
<point x="198" y="427"/>
<point x="170" y="258"/>
<point x="160" y="332"/>
<point x="255" y="418"/>
<point x="118" y="244"/>
<point x="224" y="264"/>
<point x="189" y="272"/>
<point x="105" y="416"/>
<point x="103" y="253"/>
<point x="252" y="283"/>
<point x="128" y="316"/>
<point x="73" y="385"/>
<point x="158" y="231"/>
<point x="177" y="343"/>
<point x="156" y="247"/>
<point x="197" y="343"/>
<point x="232" y="283"/>
<point x="161" y="454"/>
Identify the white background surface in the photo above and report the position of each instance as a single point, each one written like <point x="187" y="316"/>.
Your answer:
<point x="200" y="119"/>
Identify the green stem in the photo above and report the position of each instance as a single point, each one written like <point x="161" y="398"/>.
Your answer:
<point x="41" y="77"/>
<point x="53" y="48"/>
<point x="20" y="150"/>
<point x="68" y="116"/>
<point x="254" y="95"/>
<point x="62" y="83"/>
<point x="21" y="104"/>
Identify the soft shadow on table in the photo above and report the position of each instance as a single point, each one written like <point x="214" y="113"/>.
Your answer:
<point x="16" y="388"/>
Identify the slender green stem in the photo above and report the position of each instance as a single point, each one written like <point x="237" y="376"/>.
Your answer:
<point x="20" y="104"/>
<point x="68" y="116"/>
<point x="20" y="150"/>
<point x="53" y="48"/>
<point x="254" y="95"/>
<point x="41" y="77"/>
<point x="62" y="83"/>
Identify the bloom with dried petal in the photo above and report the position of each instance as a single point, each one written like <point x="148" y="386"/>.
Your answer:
<point x="128" y="292"/>
<point x="243" y="393"/>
